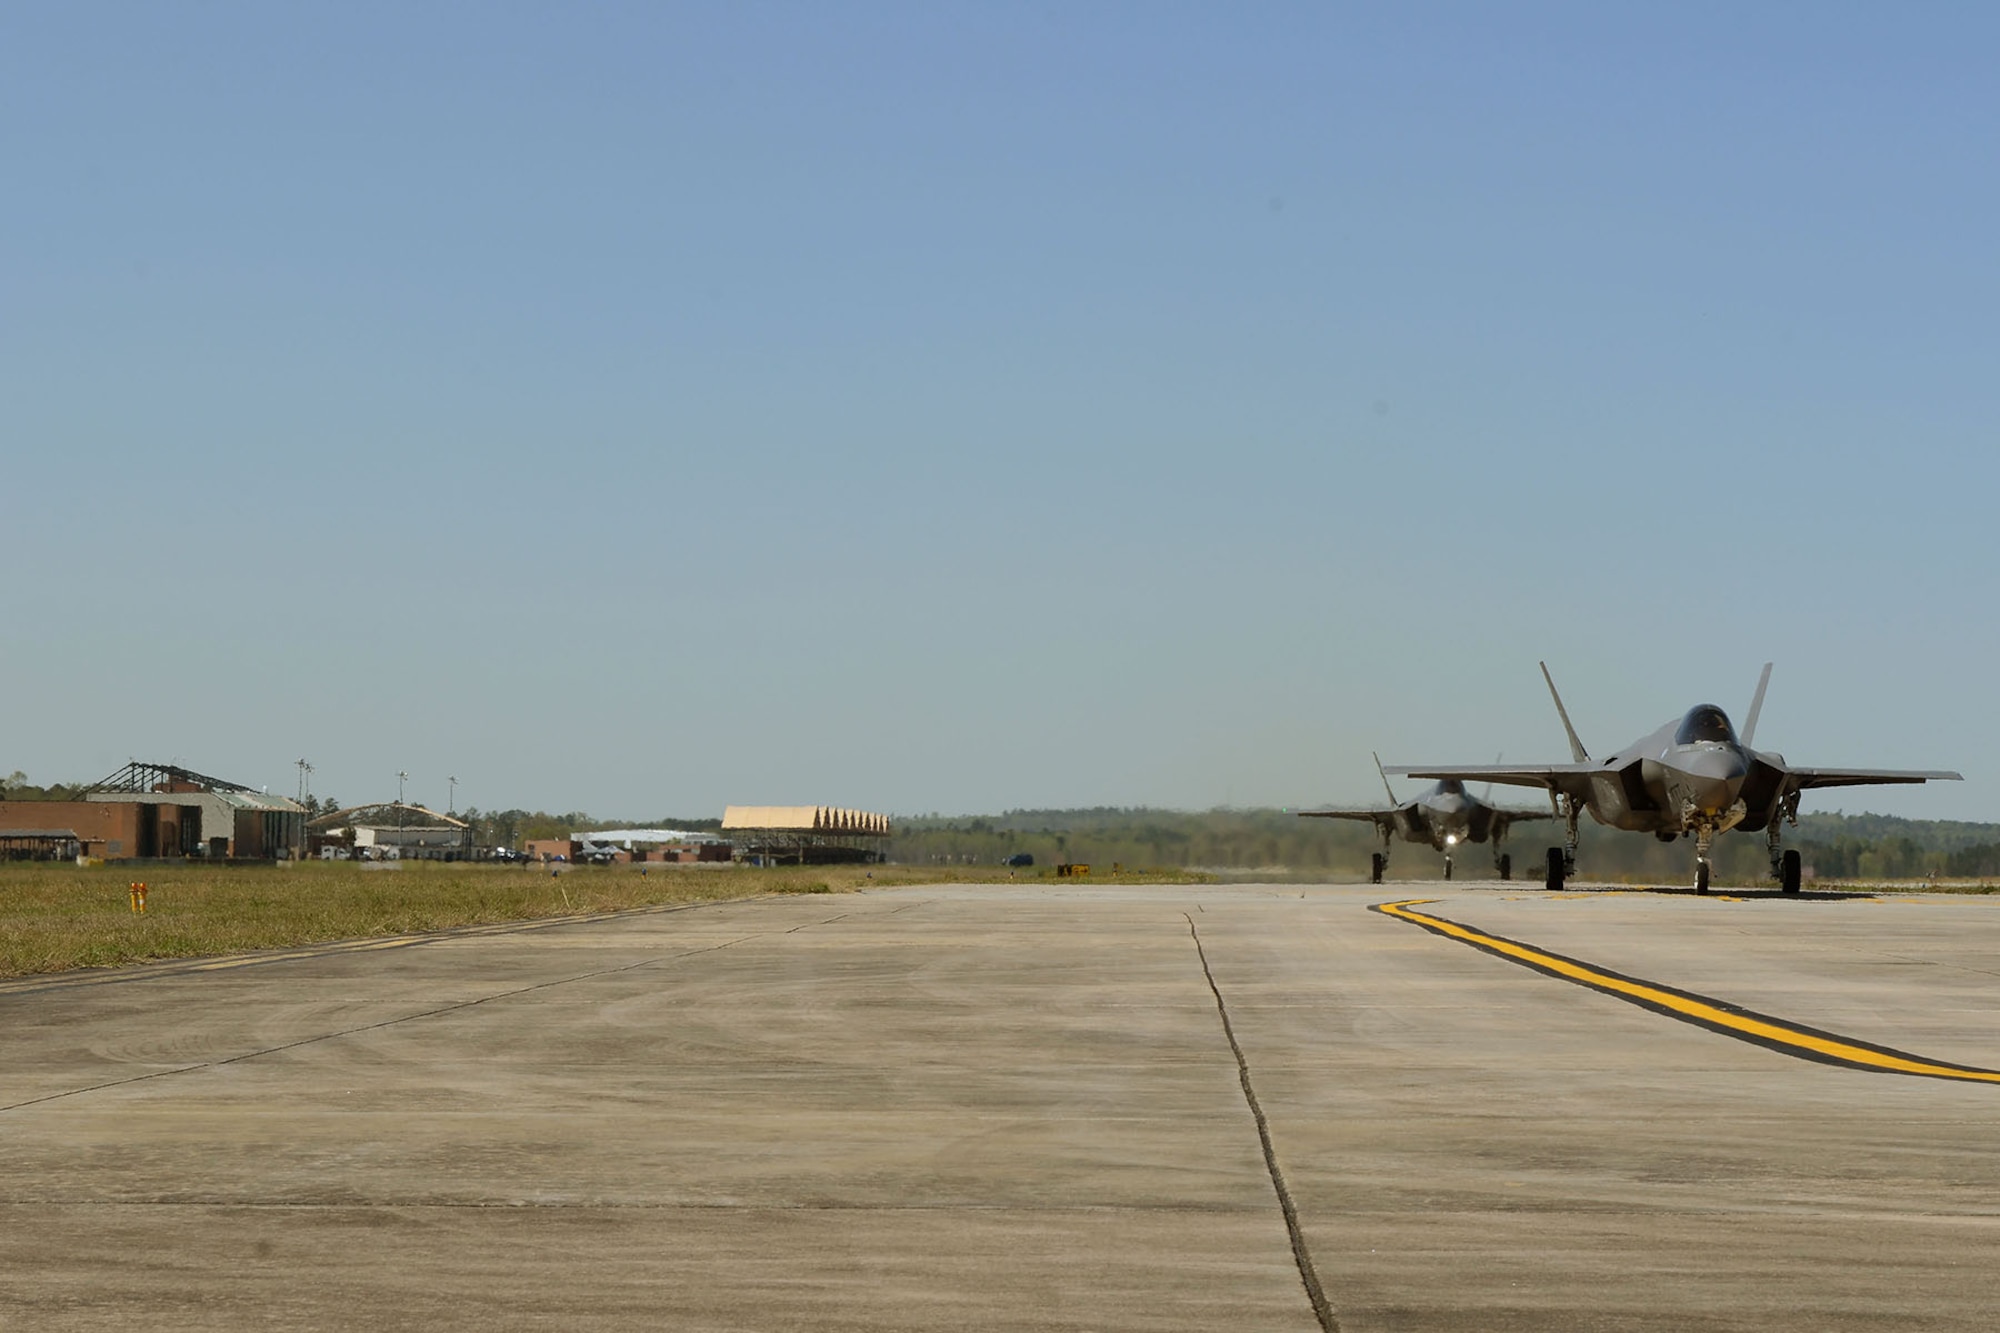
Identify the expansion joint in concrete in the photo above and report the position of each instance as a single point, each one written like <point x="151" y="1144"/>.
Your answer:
<point x="1322" y="1309"/>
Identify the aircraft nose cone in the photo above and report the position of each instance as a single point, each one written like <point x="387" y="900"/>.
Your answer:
<point x="1712" y="778"/>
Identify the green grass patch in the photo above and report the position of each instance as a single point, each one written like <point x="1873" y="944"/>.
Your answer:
<point x="57" y="917"/>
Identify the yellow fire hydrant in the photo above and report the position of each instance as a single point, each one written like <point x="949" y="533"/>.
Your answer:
<point x="138" y="897"/>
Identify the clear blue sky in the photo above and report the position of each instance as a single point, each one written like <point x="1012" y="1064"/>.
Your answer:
<point x="640" y="408"/>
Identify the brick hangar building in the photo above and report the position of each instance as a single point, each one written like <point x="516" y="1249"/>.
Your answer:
<point x="149" y="811"/>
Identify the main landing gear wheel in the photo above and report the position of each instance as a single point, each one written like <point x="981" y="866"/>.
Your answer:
<point x="1558" y="869"/>
<point x="1701" y="877"/>
<point x="1506" y="866"/>
<point x="1377" y="863"/>
<point x="1789" y="872"/>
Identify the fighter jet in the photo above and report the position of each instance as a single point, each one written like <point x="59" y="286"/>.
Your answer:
<point x="597" y="852"/>
<point x="1444" y="816"/>
<point x="1691" y="778"/>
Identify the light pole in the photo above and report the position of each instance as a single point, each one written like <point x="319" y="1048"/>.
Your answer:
<point x="451" y="799"/>
<point x="299" y="844"/>
<point x="401" y="778"/>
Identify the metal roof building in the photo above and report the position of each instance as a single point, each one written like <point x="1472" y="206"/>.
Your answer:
<point x="185" y="813"/>
<point x="393" y="829"/>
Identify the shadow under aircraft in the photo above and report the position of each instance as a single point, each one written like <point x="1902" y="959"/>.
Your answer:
<point x="1691" y="778"/>
<point x="1445" y="816"/>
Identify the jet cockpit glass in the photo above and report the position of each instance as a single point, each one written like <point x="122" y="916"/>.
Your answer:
<point x="1705" y="723"/>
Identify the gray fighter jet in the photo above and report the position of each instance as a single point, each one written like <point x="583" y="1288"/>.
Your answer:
<point x="1691" y="778"/>
<point x="1445" y="816"/>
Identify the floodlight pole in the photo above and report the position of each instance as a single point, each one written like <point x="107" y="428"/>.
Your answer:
<point x="299" y="847"/>
<point x="451" y="798"/>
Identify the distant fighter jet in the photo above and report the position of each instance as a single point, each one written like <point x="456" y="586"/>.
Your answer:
<point x="597" y="852"/>
<point x="1444" y="816"/>
<point x="1690" y="778"/>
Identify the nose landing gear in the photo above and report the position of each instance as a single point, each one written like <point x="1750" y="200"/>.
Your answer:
<point x="1704" y="838"/>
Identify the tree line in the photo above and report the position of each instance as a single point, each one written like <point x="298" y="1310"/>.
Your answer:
<point x="1832" y="846"/>
<point x="16" y="787"/>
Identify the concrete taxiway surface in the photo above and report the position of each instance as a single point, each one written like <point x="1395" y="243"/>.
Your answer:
<point x="1018" y="1107"/>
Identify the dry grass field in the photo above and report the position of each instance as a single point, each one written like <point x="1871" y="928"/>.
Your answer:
<point x="54" y="917"/>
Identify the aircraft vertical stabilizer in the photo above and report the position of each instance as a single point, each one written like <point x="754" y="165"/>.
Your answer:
<point x="1385" y="779"/>
<point x="1576" y="750"/>
<point x="1756" y="707"/>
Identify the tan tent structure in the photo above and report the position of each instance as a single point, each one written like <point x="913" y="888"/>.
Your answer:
<point x="805" y="834"/>
<point x="804" y="819"/>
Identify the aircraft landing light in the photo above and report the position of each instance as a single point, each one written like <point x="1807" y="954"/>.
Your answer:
<point x="1717" y="1016"/>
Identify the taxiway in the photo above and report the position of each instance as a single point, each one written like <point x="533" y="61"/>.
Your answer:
<point x="1020" y="1107"/>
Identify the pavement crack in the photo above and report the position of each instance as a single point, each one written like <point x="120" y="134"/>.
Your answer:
<point x="1322" y="1309"/>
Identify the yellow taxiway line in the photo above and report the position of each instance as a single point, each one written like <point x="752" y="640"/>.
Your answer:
<point x="1716" y="1015"/>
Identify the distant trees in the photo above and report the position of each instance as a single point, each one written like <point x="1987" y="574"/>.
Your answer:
<point x="1978" y="861"/>
<point x="16" y="787"/>
<point x="1137" y="837"/>
<point x="1834" y="846"/>
<point x="511" y="828"/>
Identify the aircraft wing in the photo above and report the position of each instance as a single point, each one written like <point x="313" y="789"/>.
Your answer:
<point x="1771" y="781"/>
<point x="1801" y="778"/>
<point x="1502" y="818"/>
<point x="1573" y="778"/>
<point x="1380" y="818"/>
